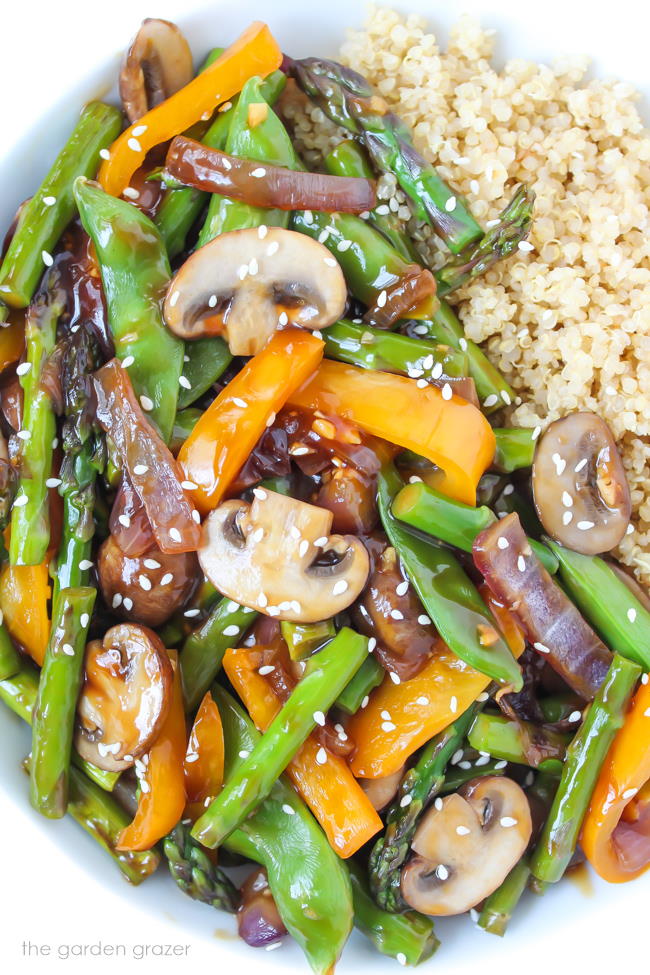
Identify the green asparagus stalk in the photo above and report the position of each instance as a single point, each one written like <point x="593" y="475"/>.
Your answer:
<point x="585" y="756"/>
<point x="9" y="658"/>
<point x="621" y="619"/>
<point x="408" y="937"/>
<point x="203" y="650"/>
<point x="302" y="639"/>
<point x="369" y="675"/>
<point x="520" y="742"/>
<point x="515" y="448"/>
<point x="325" y="677"/>
<point x="83" y="457"/>
<point x="196" y="875"/>
<point x="58" y="690"/>
<point x="499" y="906"/>
<point x="52" y="207"/>
<point x="30" y="520"/>
<point x="498" y="243"/>
<point x="19" y="692"/>
<point x="347" y="99"/>
<point x="349" y="159"/>
<point x="374" y="348"/>
<point x="453" y="522"/>
<point x="104" y="819"/>
<point x="422" y="783"/>
<point x="447" y="594"/>
<point x="493" y="391"/>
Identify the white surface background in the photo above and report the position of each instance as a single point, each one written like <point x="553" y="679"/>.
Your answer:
<point x="48" y="893"/>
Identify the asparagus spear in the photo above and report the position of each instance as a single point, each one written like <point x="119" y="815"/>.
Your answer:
<point x="408" y="937"/>
<point x="422" y="783"/>
<point x="52" y="207"/>
<point x="499" y="906"/>
<point x="325" y="677"/>
<point x="447" y="594"/>
<point x="369" y="675"/>
<point x="58" y="689"/>
<point x="520" y="742"/>
<point x="374" y="348"/>
<point x="349" y="159"/>
<point x="515" y="448"/>
<point x="19" y="692"/>
<point x="302" y="639"/>
<point x="498" y="243"/>
<point x="347" y="98"/>
<point x="584" y="758"/>
<point x="30" y="520"/>
<point x="194" y="872"/>
<point x="453" y="522"/>
<point x="104" y="819"/>
<point x="9" y="659"/>
<point x="621" y="619"/>
<point x="83" y="457"/>
<point x="203" y="650"/>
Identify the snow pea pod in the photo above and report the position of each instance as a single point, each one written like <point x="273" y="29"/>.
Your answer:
<point x="135" y="274"/>
<point x="446" y="592"/>
<point x="309" y="883"/>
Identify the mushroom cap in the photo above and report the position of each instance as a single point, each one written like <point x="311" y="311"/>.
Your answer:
<point x="157" y="64"/>
<point x="245" y="283"/>
<point x="466" y="848"/>
<point x="382" y="791"/>
<point x="125" y="697"/>
<point x="579" y="484"/>
<point x="264" y="556"/>
<point x="157" y="583"/>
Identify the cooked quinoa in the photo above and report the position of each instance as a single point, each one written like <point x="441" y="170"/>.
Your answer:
<point x="568" y="322"/>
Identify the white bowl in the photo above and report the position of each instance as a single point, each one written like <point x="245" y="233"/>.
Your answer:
<point x="74" y="893"/>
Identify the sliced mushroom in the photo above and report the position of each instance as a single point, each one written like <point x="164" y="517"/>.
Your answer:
<point x="579" y="484"/>
<point x="157" y="64"/>
<point x="276" y="556"/>
<point x="382" y="791"/>
<point x="466" y="845"/>
<point x="148" y="588"/>
<point x="125" y="697"/>
<point x="246" y="283"/>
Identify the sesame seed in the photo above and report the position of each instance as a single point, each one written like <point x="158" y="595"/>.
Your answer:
<point x="501" y="764"/>
<point x="567" y="500"/>
<point x="505" y="396"/>
<point x="184" y="382"/>
<point x="321" y="542"/>
<point x="446" y="391"/>
<point x="453" y="704"/>
<point x="450" y="205"/>
<point x="175" y="535"/>
<point x="388" y="726"/>
<point x="266" y="669"/>
<point x="364" y="703"/>
<point x="105" y="154"/>
<point x="560" y="464"/>
<point x="151" y="564"/>
<point x="260" y="494"/>
<point x="140" y="469"/>
<point x="536" y="432"/>
<point x="134" y="145"/>
<point x="130" y="193"/>
<point x="139" y="130"/>
<point x="48" y="260"/>
<point x="127" y="361"/>
<point x="483" y="760"/>
<point x="52" y="482"/>
<point x="146" y="403"/>
<point x="525" y="245"/>
<point x="253" y="266"/>
<point x="259" y="173"/>
<point x="629" y="793"/>
<point x="273" y="248"/>
<point x="541" y="648"/>
<point x="339" y="587"/>
<point x="414" y="479"/>
<point x="567" y="517"/>
<point x="491" y="400"/>
<point x="145" y="583"/>
<point x="128" y="604"/>
<point x="270" y="420"/>
<point x="441" y="872"/>
<point x="294" y="531"/>
<point x="574" y="716"/>
<point x="456" y="757"/>
<point x="423" y="619"/>
<point x="166" y="579"/>
<point x="244" y="753"/>
<point x="286" y="808"/>
<point x="631" y="614"/>
<point x="581" y="463"/>
<point x="372" y="643"/>
<point x="400" y="957"/>
<point x="329" y="261"/>
<point x="507" y="821"/>
<point x="483" y="696"/>
<point x="645" y="678"/>
<point x="302" y="548"/>
<point x="422" y="701"/>
<point x="231" y="630"/>
<point x="473" y="185"/>
<point x="438" y="804"/>
<point x="396" y="614"/>
<point x="283" y="318"/>
<point x="85" y="564"/>
<point x="241" y="403"/>
<point x="343" y="245"/>
<point x="189" y="485"/>
<point x="381" y="299"/>
<point x="462" y="830"/>
<point x="23" y="368"/>
<point x="84" y="619"/>
<point x="394" y="677"/>
<point x="584" y="526"/>
<point x="68" y="649"/>
<point x="436" y="372"/>
<point x="321" y="756"/>
<point x="262" y="600"/>
<point x="421" y="384"/>
<point x="243" y="271"/>
<point x="502" y="542"/>
<point x="402" y="588"/>
<point x="117" y="600"/>
<point x="319" y="718"/>
<point x="406" y="800"/>
<point x="521" y="563"/>
<point x="23" y="434"/>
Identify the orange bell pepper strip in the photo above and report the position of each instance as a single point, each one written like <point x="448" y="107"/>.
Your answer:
<point x="12" y="342"/>
<point x="221" y="441"/>
<point x="203" y="765"/>
<point x="162" y="796"/>
<point x="332" y="793"/>
<point x="255" y="52"/>
<point x="451" y="433"/>
<point x="616" y="830"/>
<point x="423" y="706"/>
<point x="24" y="594"/>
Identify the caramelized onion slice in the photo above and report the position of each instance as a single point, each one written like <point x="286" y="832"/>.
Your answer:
<point x="581" y="491"/>
<point x="264" y="185"/>
<point x="125" y="696"/>
<point x="551" y="622"/>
